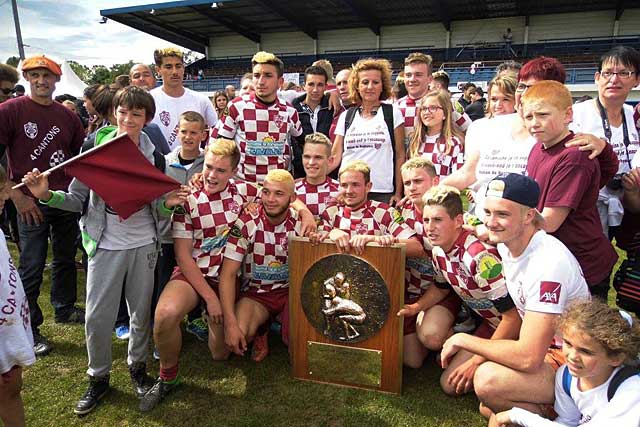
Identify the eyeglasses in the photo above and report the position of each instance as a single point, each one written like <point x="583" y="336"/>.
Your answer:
<point x="7" y="91"/>
<point x="522" y="87"/>
<point x="622" y="74"/>
<point x="431" y="108"/>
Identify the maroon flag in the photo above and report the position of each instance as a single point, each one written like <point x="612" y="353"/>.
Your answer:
<point x="119" y="173"/>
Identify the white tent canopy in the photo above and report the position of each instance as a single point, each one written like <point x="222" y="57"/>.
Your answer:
<point x="69" y="82"/>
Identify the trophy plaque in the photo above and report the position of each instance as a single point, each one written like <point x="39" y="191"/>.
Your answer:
<point x="344" y="329"/>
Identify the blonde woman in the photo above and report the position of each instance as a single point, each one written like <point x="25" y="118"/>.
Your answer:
<point x="502" y="96"/>
<point x="435" y="137"/>
<point x="371" y="130"/>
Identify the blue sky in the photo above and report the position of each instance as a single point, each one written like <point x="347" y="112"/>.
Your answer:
<point x="66" y="29"/>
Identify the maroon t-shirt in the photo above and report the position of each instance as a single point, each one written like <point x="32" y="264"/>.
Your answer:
<point x="39" y="136"/>
<point x="567" y="178"/>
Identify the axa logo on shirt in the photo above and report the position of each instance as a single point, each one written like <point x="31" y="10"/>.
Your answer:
<point x="48" y="138"/>
<point x="550" y="292"/>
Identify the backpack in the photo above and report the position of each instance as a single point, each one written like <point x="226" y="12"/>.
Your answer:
<point x="387" y="111"/>
<point x="621" y="376"/>
<point x="626" y="282"/>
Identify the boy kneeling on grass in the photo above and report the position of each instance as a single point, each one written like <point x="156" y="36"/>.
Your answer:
<point x="120" y="252"/>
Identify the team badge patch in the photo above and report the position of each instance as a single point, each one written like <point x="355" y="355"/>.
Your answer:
<point x="235" y="232"/>
<point x="550" y="292"/>
<point x="489" y="266"/>
<point x="31" y="129"/>
<point x="165" y="118"/>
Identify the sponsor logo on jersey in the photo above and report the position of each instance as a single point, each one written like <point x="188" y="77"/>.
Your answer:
<point x="216" y="242"/>
<point x="489" y="266"/>
<point x="266" y="147"/>
<point x="397" y="217"/>
<point x="550" y="292"/>
<point x="274" y="271"/>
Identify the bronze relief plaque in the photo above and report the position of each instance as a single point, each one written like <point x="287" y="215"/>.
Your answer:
<point x="345" y="298"/>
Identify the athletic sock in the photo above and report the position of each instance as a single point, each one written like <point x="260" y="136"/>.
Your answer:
<point x="169" y="375"/>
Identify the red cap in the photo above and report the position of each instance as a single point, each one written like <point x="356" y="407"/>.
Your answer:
<point x="41" y="61"/>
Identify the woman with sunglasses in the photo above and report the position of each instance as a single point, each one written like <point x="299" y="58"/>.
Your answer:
<point x="435" y="137"/>
<point x="8" y="78"/>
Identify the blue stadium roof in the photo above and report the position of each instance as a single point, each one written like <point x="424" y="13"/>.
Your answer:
<point x="191" y="23"/>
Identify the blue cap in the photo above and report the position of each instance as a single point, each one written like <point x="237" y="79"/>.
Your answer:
<point x="515" y="187"/>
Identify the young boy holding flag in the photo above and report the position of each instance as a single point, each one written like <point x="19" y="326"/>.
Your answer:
<point x="121" y="251"/>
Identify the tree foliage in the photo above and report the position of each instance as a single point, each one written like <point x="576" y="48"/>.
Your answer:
<point x="100" y="74"/>
<point x="82" y="71"/>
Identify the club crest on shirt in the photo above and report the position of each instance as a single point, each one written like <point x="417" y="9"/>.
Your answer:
<point x="284" y="243"/>
<point x="550" y="292"/>
<point x="234" y="207"/>
<point x="31" y="129"/>
<point x="165" y="118"/>
<point x="361" y="228"/>
<point x="279" y="121"/>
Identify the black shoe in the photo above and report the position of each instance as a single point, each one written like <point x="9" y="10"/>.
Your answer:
<point x="142" y="382"/>
<point x="41" y="345"/>
<point x="75" y="316"/>
<point x="159" y="390"/>
<point x="98" y="387"/>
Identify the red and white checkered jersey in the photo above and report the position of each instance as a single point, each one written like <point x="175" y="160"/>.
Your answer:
<point x="419" y="273"/>
<point x="317" y="197"/>
<point x="207" y="220"/>
<point x="372" y="218"/>
<point x="264" y="247"/>
<point x="409" y="111"/>
<point x="435" y="150"/>
<point x="263" y="134"/>
<point x="474" y="271"/>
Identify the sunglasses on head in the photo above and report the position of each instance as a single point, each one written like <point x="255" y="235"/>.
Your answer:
<point x="7" y="91"/>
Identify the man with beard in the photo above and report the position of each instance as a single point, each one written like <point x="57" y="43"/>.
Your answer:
<point x="259" y="245"/>
<point x="261" y="124"/>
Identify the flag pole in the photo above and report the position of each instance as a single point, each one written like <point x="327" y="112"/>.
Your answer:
<point x="78" y="157"/>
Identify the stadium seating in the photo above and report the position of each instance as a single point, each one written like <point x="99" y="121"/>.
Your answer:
<point x="583" y="52"/>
